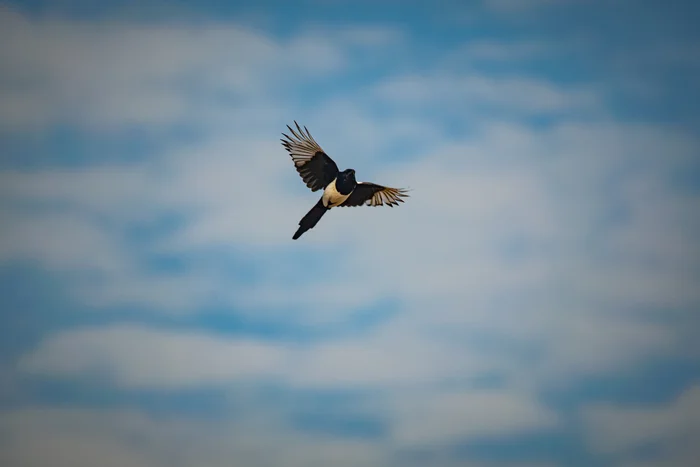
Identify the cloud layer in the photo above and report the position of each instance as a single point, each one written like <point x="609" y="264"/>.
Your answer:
<point x="548" y="249"/>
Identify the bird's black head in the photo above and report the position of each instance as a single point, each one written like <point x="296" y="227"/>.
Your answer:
<point x="348" y="175"/>
<point x="346" y="181"/>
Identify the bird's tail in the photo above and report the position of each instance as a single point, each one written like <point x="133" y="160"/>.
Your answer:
<point x="311" y="218"/>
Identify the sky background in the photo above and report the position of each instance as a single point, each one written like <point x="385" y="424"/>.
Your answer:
<point x="534" y="303"/>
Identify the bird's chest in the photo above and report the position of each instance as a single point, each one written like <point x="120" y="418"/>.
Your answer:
<point x="332" y="197"/>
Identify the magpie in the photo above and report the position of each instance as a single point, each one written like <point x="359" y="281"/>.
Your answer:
<point x="319" y="171"/>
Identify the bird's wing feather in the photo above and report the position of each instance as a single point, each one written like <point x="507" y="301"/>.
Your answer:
<point x="313" y="164"/>
<point x="372" y="194"/>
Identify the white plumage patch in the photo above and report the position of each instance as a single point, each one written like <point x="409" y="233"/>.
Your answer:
<point x="331" y="196"/>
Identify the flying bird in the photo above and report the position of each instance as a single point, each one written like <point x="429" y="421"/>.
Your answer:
<point x="320" y="172"/>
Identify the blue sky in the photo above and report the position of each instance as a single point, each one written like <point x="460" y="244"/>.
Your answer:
<point x="534" y="303"/>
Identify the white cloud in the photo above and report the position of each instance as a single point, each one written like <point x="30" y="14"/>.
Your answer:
<point x="440" y="418"/>
<point x="510" y="224"/>
<point x="402" y="368"/>
<point x="60" y="243"/>
<point x="43" y="437"/>
<point x="499" y="51"/>
<point x="112" y="73"/>
<point x="548" y="238"/>
<point x="393" y="355"/>
<point x="518" y="6"/>
<point x="589" y="343"/>
<point x="673" y="427"/>
<point x="398" y="354"/>
<point x="116" y="189"/>
<point x="80" y="438"/>
<point x="136" y="357"/>
<point x="531" y="253"/>
<point x="478" y="92"/>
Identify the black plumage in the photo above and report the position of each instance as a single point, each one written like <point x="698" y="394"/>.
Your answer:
<point x="320" y="172"/>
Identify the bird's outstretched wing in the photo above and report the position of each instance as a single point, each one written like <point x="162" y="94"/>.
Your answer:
<point x="375" y="195"/>
<point x="313" y="164"/>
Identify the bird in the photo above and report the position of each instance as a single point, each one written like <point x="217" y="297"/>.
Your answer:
<point x="340" y="189"/>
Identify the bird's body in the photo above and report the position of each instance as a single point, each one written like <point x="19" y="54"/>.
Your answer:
<point x="339" y="190"/>
<point x="319" y="171"/>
